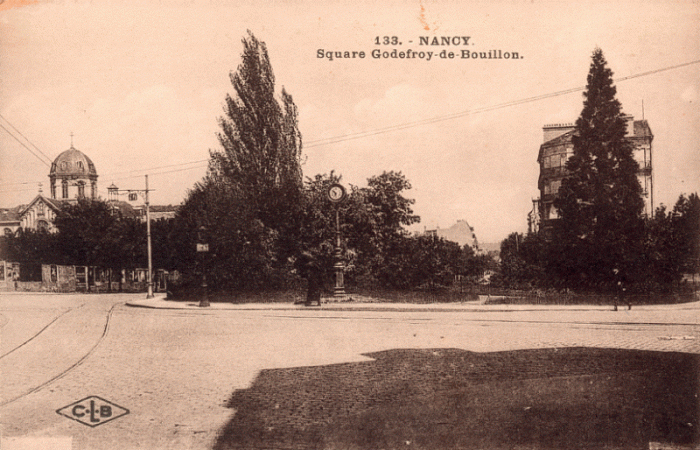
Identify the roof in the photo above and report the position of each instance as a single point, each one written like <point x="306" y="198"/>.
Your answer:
<point x="56" y="205"/>
<point x="9" y="215"/>
<point x="125" y="208"/>
<point x="73" y="162"/>
<point x="559" y="140"/>
<point x="642" y="129"/>
<point x="162" y="208"/>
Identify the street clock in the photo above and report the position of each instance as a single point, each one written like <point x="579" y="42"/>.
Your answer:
<point x="336" y="193"/>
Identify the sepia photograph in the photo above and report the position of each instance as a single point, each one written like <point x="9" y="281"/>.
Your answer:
<point x="349" y="225"/>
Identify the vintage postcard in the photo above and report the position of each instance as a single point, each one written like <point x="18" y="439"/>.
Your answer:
<point x="464" y="108"/>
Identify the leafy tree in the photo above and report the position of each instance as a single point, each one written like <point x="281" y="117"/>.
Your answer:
<point x="86" y="232"/>
<point x="686" y="220"/>
<point x="93" y="233"/>
<point x="260" y="159"/>
<point x="600" y="231"/>
<point x="661" y="263"/>
<point x="249" y="200"/>
<point x="380" y="236"/>
<point x="672" y="245"/>
<point x="30" y="248"/>
<point x="241" y="252"/>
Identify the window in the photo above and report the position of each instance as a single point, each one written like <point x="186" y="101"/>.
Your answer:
<point x="42" y="225"/>
<point x="80" y="166"/>
<point x="547" y="162"/>
<point x="553" y="213"/>
<point x="555" y="186"/>
<point x="64" y="186"/>
<point x="53" y="190"/>
<point x="81" y="190"/>
<point x="562" y="160"/>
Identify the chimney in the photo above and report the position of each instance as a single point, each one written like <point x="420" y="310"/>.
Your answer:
<point x="555" y="130"/>
<point x="629" y="121"/>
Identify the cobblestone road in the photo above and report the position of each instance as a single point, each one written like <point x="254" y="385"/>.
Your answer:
<point x="175" y="369"/>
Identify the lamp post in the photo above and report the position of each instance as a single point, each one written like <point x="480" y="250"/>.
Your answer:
<point x="337" y="194"/>
<point x="133" y="195"/>
<point x="203" y="249"/>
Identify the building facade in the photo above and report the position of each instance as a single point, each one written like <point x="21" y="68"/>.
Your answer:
<point x="556" y="150"/>
<point x="461" y="232"/>
<point x="72" y="176"/>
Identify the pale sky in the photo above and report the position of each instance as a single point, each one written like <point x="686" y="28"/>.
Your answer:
<point x="141" y="85"/>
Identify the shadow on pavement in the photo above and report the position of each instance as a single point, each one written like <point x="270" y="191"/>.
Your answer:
<point x="449" y="398"/>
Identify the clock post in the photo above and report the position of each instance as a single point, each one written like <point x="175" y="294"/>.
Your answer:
<point x="337" y="194"/>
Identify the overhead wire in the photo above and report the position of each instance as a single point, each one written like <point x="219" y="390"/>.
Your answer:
<point x="25" y="146"/>
<point x="26" y="139"/>
<point x="362" y="134"/>
<point x="391" y="128"/>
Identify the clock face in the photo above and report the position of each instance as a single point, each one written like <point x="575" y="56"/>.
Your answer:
<point x="336" y="192"/>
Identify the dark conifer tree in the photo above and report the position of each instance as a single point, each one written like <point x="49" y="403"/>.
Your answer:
<point x="600" y="231"/>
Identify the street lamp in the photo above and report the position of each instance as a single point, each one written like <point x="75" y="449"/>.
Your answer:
<point x="337" y="194"/>
<point x="113" y="192"/>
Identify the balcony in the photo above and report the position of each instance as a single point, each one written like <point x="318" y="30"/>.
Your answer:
<point x="553" y="172"/>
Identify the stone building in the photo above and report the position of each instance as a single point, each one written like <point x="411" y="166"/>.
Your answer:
<point x="72" y="176"/>
<point x="461" y="233"/>
<point x="556" y="150"/>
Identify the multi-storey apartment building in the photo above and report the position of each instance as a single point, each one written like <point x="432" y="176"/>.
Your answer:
<point x="556" y="150"/>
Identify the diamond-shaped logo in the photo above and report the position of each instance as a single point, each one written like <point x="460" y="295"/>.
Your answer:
<point x="93" y="411"/>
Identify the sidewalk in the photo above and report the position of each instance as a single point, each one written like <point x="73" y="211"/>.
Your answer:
<point x="160" y="302"/>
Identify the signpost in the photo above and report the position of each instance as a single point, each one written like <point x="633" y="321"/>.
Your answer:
<point x="203" y="249"/>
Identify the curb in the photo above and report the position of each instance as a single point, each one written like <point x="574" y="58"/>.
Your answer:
<point x="383" y="307"/>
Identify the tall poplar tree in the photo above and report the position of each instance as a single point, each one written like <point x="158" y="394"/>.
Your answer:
<point x="600" y="231"/>
<point x="247" y="206"/>
<point x="260" y="159"/>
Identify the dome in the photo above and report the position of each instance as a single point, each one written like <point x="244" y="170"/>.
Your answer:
<point x="73" y="163"/>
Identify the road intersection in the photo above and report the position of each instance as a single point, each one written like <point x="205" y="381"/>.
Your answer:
<point x="173" y="365"/>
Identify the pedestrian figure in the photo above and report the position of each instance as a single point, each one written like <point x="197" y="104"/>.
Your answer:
<point x="621" y="294"/>
<point x="310" y="270"/>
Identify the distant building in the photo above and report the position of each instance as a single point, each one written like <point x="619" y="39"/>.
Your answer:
<point x="156" y="212"/>
<point x="558" y="148"/>
<point x="10" y="219"/>
<point x="461" y="233"/>
<point x="72" y="176"/>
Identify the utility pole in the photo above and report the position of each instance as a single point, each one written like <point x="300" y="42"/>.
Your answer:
<point x="149" y="293"/>
<point x="133" y="195"/>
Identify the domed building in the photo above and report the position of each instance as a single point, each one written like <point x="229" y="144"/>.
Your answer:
<point x="73" y="176"/>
